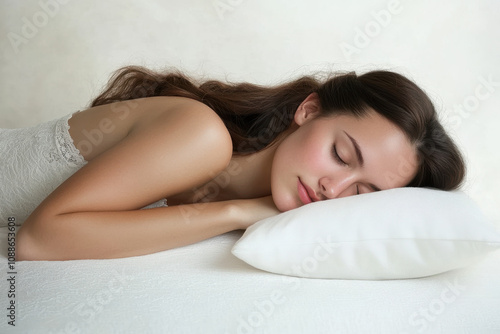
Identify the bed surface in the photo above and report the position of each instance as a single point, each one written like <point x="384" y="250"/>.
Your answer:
<point x="203" y="288"/>
<point x="450" y="48"/>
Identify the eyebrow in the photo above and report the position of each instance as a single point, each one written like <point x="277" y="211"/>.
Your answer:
<point x="359" y="156"/>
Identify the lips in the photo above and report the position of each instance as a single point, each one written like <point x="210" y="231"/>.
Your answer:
<point x="306" y="194"/>
<point x="303" y="195"/>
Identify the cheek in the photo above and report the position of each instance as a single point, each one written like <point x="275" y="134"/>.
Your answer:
<point x="315" y="155"/>
<point x="308" y="144"/>
<point x="292" y="152"/>
<point x="312" y="162"/>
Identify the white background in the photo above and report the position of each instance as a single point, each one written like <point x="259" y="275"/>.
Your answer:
<point x="57" y="55"/>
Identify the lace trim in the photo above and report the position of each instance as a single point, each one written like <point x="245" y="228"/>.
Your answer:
<point x="72" y="155"/>
<point x="160" y="204"/>
<point x="37" y="160"/>
<point x="66" y="145"/>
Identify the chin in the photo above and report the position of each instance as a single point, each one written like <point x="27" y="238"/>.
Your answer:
<point x="285" y="204"/>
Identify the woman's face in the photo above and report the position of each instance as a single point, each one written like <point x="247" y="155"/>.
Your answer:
<point x="338" y="156"/>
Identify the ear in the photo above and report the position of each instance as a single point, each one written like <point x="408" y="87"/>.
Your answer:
<point x="308" y="109"/>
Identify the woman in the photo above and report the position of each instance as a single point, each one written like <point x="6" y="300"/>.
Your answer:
<point x="223" y="156"/>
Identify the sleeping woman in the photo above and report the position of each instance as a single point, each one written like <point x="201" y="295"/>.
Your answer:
<point x="159" y="161"/>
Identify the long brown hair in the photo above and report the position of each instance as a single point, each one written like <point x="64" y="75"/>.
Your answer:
<point x="255" y="115"/>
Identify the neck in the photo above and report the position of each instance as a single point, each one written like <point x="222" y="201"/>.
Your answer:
<point x="250" y="175"/>
<point x="247" y="176"/>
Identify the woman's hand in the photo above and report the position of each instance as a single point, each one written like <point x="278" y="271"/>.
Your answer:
<point x="249" y="211"/>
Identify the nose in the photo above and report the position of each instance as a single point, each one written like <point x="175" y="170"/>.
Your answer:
<point x="332" y="188"/>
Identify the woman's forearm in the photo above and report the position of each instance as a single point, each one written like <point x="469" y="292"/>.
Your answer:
<point x="102" y="235"/>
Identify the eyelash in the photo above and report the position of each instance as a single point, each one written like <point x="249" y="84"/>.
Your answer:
<point x="337" y="157"/>
<point x="342" y="162"/>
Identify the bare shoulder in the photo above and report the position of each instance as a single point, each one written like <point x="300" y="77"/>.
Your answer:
<point x="188" y="121"/>
<point x="190" y="125"/>
<point x="98" y="129"/>
<point x="164" y="111"/>
<point x="165" y="147"/>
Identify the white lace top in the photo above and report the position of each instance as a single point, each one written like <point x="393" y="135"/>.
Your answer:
<point x="33" y="162"/>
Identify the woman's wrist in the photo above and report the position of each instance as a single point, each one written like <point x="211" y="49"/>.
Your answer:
<point x="246" y="212"/>
<point x="236" y="213"/>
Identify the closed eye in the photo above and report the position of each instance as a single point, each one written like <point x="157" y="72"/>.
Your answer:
<point x="337" y="156"/>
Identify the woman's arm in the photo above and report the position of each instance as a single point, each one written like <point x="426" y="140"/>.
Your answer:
<point x="116" y="234"/>
<point x="94" y="214"/>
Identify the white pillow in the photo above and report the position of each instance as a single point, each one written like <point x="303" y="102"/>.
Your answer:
<point x="392" y="234"/>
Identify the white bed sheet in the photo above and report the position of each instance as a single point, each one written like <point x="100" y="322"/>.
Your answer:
<point x="203" y="288"/>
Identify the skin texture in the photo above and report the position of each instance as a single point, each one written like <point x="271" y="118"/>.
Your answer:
<point x="143" y="150"/>
<point x="308" y="154"/>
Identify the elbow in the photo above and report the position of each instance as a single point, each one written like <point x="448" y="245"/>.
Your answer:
<point x="28" y="245"/>
<point x="24" y="246"/>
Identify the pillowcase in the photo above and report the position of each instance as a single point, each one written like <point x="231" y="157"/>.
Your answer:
<point x="391" y="234"/>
